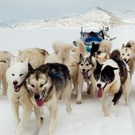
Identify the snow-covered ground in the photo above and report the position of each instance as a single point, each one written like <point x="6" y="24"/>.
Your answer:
<point x="85" y="119"/>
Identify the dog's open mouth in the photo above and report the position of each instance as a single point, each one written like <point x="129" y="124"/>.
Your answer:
<point x="17" y="88"/>
<point x="85" y="75"/>
<point x="100" y="92"/>
<point x="39" y="102"/>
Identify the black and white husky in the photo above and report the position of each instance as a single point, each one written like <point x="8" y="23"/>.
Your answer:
<point x="46" y="84"/>
<point x="112" y="80"/>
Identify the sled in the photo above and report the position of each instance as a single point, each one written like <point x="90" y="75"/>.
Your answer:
<point x="89" y="37"/>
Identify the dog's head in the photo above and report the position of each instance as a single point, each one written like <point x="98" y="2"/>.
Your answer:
<point x="86" y="65"/>
<point x="126" y="53"/>
<point x="104" y="75"/>
<point x="16" y="74"/>
<point x="39" y="85"/>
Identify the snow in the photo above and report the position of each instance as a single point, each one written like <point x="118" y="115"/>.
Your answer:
<point x="85" y="119"/>
<point x="93" y="17"/>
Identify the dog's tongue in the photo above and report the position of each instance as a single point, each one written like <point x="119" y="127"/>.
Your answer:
<point x="100" y="92"/>
<point x="40" y="102"/>
<point x="85" y="75"/>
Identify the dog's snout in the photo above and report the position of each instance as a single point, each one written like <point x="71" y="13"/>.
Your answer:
<point x="37" y="96"/>
<point x="98" y="85"/>
<point x="83" y="70"/>
<point x="15" y="82"/>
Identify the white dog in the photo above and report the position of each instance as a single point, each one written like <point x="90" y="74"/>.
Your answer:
<point x="5" y="58"/>
<point x="18" y="95"/>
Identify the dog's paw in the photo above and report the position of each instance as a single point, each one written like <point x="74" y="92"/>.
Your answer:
<point x="79" y="102"/>
<point x="69" y="109"/>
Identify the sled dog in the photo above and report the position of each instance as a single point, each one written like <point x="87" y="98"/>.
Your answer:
<point x="35" y="56"/>
<point x="86" y="67"/>
<point x="46" y="84"/>
<point x="5" y="58"/>
<point x="112" y="80"/>
<point x="128" y="56"/>
<point x="19" y="96"/>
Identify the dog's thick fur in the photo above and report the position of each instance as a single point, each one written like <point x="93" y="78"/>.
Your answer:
<point x="87" y="65"/>
<point x="127" y="55"/>
<point x="113" y="79"/>
<point x="35" y="56"/>
<point x="46" y="84"/>
<point x="131" y="44"/>
<point x="19" y="96"/>
<point x="5" y="58"/>
<point x="69" y="55"/>
<point x="104" y="46"/>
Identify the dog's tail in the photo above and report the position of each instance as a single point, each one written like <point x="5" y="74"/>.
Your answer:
<point x="59" y="46"/>
<point x="79" y="49"/>
<point x="105" y="46"/>
<point x="115" y="55"/>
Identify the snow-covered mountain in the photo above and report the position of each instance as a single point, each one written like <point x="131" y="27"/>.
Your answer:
<point x="93" y="17"/>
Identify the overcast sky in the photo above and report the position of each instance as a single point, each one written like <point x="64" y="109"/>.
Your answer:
<point x="21" y="10"/>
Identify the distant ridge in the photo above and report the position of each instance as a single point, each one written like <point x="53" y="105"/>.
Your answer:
<point x="93" y="17"/>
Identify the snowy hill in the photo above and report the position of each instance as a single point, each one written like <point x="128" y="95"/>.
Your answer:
<point x="93" y="17"/>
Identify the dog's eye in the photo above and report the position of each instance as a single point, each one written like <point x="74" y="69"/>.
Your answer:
<point x="21" y="60"/>
<point x="104" y="78"/>
<point x="81" y="64"/>
<point x="13" y="74"/>
<point x="21" y="75"/>
<point x="41" y="85"/>
<point x="87" y="64"/>
<point x="127" y="54"/>
<point x="32" y="85"/>
<point x="123" y="54"/>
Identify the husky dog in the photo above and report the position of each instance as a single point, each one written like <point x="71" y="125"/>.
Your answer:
<point x="46" y="84"/>
<point x="35" y="56"/>
<point x="128" y="56"/>
<point x="18" y="95"/>
<point x="112" y="80"/>
<point x="5" y="58"/>
<point x="69" y="55"/>
<point x="86" y="67"/>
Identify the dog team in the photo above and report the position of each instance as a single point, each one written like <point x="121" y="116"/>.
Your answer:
<point x="36" y="78"/>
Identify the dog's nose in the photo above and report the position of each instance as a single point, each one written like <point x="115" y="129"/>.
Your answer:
<point x="98" y="85"/>
<point x="15" y="82"/>
<point x="37" y="96"/>
<point x="83" y="70"/>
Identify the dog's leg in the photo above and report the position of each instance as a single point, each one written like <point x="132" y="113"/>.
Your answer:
<point x="67" y="96"/>
<point x="80" y="87"/>
<point x="126" y="90"/>
<point x="53" y="113"/>
<point x="93" y="86"/>
<point x="15" y="108"/>
<point x="39" y="119"/>
<point x="88" y="87"/>
<point x="27" y="107"/>
<point x="104" y="103"/>
<point x="4" y="86"/>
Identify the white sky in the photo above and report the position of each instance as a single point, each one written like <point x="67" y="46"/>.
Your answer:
<point x="20" y="10"/>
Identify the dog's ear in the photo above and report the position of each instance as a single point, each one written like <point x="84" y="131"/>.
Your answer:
<point x="81" y="58"/>
<point x="123" y="45"/>
<point x="30" y="68"/>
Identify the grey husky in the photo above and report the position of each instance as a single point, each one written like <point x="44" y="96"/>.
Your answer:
<point x="46" y="85"/>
